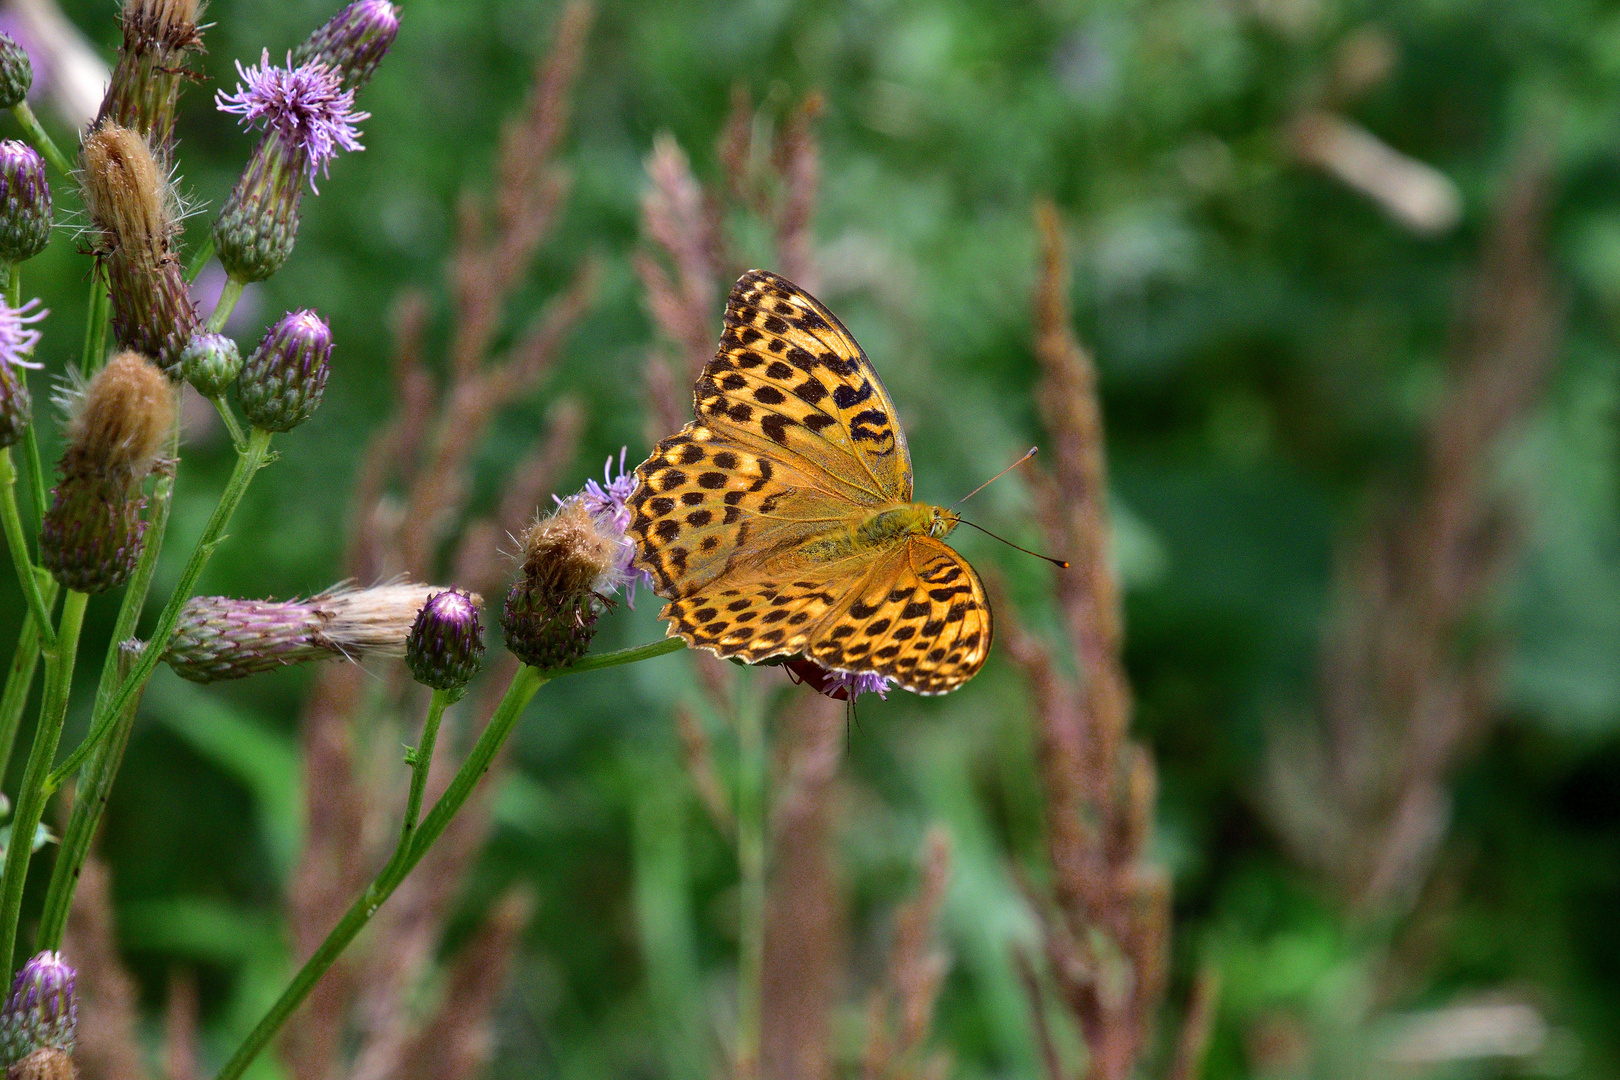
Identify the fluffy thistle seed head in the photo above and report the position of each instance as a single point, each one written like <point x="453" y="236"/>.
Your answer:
<point x="210" y="362"/>
<point x="91" y="536"/>
<point x="571" y="562"/>
<point x="123" y="419"/>
<point x="25" y="202"/>
<point x="16" y="72"/>
<point x="42" y="1010"/>
<point x="353" y="42"/>
<point x="127" y="194"/>
<point x="446" y="643"/>
<point x="281" y="383"/>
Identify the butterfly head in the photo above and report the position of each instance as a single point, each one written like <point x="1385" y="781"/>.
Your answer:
<point x="939" y="521"/>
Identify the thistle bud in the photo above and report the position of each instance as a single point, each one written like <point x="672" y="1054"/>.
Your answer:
<point x="446" y="643"/>
<point x="571" y="562"/>
<point x="42" y="1011"/>
<point x="210" y="363"/>
<point x="16" y="407"/>
<point x="159" y="38"/>
<point x="25" y="202"/>
<point x="91" y="536"/>
<point x="16" y="72"/>
<point x="135" y="213"/>
<point x="353" y="41"/>
<point x="307" y="117"/>
<point x="219" y="638"/>
<point x="281" y="383"/>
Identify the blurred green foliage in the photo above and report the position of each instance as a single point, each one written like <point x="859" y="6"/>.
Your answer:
<point x="1270" y="344"/>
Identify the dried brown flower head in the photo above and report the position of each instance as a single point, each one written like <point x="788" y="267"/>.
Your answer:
<point x="123" y="418"/>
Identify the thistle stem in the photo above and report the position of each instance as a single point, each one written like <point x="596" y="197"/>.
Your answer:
<point x="36" y="134"/>
<point x="18" y="546"/>
<point x="228" y="296"/>
<point x="34" y="792"/>
<point x="90" y="796"/>
<point x="752" y="764"/>
<point x="414" y="844"/>
<point x="20" y="676"/>
<point x="421" y="760"/>
<point x="248" y="462"/>
<point x="232" y="427"/>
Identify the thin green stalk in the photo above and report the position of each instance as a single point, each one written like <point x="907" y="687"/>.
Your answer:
<point x="36" y="134"/>
<point x="409" y="852"/>
<point x="248" y="462"/>
<point x="33" y="792"/>
<point x="20" y="676"/>
<point x="100" y="316"/>
<point x="751" y="826"/>
<point x="228" y="296"/>
<point x="90" y="795"/>
<point x="227" y="417"/>
<point x="412" y="848"/>
<point x="18" y="546"/>
<point x="420" y="759"/>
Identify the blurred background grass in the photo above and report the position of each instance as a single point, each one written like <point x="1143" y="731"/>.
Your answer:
<point x="1270" y="345"/>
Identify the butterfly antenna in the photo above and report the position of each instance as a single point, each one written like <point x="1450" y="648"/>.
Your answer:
<point x="1062" y="563"/>
<point x="994" y="478"/>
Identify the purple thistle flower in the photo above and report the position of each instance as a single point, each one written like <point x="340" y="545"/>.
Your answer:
<point x="306" y="105"/>
<point x="17" y="334"/>
<point x="609" y="503"/>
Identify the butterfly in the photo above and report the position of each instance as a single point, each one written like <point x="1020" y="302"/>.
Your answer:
<point x="780" y="522"/>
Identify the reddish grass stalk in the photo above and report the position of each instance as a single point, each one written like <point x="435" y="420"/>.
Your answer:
<point x="901" y="1012"/>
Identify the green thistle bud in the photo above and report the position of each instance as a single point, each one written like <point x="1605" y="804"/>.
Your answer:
<point x="281" y="384"/>
<point x="219" y="637"/>
<point x="571" y="561"/>
<point x="210" y="362"/>
<point x="91" y="536"/>
<point x="446" y="645"/>
<point x="25" y="202"/>
<point x="258" y="225"/>
<point x="42" y="1011"/>
<point x="16" y="407"/>
<point x="16" y="72"/>
<point x="353" y="42"/>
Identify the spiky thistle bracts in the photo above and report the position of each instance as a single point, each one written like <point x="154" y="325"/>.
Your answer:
<point x="135" y="214"/>
<point x="221" y="637"/>
<point x="353" y="42"/>
<point x="446" y="644"/>
<point x="16" y="72"/>
<point x="91" y="536"/>
<point x="281" y="383"/>
<point x="42" y="1010"/>
<point x="25" y="202"/>
<point x="159" y="38"/>
<point x="571" y="565"/>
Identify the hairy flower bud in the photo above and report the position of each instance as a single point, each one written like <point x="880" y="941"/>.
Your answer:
<point x="159" y="37"/>
<point x="353" y="42"/>
<point x="210" y="363"/>
<point x="571" y="562"/>
<point x="91" y="536"/>
<point x="220" y="638"/>
<point x="446" y="643"/>
<point x="25" y="202"/>
<point x="134" y="211"/>
<point x="16" y="72"/>
<point x="42" y="1011"/>
<point x="16" y="407"/>
<point x="281" y="383"/>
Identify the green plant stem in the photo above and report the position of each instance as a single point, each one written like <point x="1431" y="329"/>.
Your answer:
<point x="421" y="758"/>
<point x="20" y="675"/>
<point x="96" y="317"/>
<point x="36" y="134"/>
<point x="248" y="462"/>
<point x="228" y="418"/>
<point x="414" y="844"/>
<point x="18" y="546"/>
<point x="228" y="296"/>
<point x="90" y="796"/>
<point x="752" y="764"/>
<point x="33" y="792"/>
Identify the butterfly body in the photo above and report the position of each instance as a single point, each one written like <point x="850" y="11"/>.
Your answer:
<point x="781" y="520"/>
